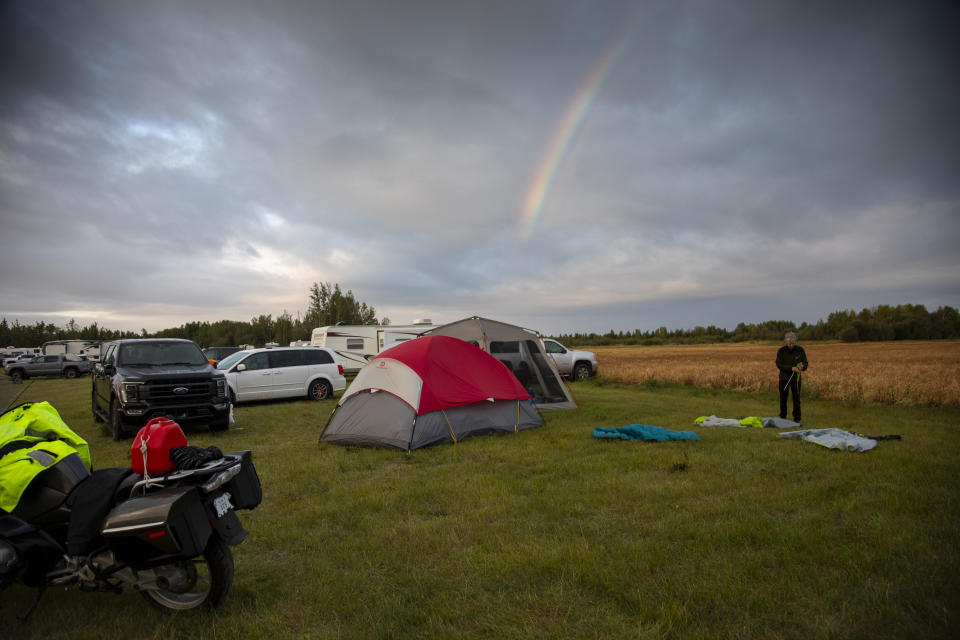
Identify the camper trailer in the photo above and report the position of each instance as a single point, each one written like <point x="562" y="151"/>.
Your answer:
<point x="355" y="343"/>
<point x="89" y="348"/>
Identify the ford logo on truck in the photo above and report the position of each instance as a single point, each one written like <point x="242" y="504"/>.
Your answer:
<point x="180" y="390"/>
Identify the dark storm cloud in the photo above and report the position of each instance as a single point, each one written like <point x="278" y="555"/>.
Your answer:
<point x="213" y="159"/>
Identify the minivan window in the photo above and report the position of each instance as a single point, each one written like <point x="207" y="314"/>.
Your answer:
<point x="231" y="360"/>
<point x="354" y="343"/>
<point x="257" y="361"/>
<point x="317" y="356"/>
<point x="285" y="358"/>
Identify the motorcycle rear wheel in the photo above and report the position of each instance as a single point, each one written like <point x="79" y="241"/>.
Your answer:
<point x="210" y="579"/>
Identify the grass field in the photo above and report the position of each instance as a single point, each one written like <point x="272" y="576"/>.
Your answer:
<point x="550" y="533"/>
<point x="898" y="373"/>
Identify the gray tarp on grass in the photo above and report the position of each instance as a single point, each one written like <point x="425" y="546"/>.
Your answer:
<point x="833" y="439"/>
<point x="781" y="423"/>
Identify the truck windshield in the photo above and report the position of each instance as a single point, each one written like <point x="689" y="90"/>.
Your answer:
<point x="160" y="353"/>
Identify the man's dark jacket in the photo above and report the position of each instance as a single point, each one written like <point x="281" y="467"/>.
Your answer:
<point x="788" y="358"/>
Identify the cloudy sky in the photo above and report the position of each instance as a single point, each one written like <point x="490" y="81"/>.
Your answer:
<point x="560" y="164"/>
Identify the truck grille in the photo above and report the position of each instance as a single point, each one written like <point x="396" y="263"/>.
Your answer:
<point x="198" y="390"/>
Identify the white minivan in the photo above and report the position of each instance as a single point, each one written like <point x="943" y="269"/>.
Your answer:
<point x="283" y="372"/>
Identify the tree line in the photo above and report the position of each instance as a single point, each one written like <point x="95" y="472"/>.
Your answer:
<point x="880" y="323"/>
<point x="328" y="305"/>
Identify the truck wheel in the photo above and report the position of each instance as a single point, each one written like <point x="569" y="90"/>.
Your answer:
<point x="116" y="427"/>
<point x="93" y="406"/>
<point x="319" y="390"/>
<point x="581" y="371"/>
<point x="70" y="373"/>
<point x="16" y="377"/>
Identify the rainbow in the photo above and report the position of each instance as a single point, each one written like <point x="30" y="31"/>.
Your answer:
<point x="567" y="130"/>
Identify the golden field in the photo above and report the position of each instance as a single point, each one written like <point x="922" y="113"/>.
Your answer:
<point x="902" y="373"/>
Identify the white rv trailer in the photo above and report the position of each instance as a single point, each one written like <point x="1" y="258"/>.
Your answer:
<point x="357" y="343"/>
<point x="89" y="348"/>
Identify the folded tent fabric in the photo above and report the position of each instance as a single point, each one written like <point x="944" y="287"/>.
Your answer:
<point x="833" y="439"/>
<point x="714" y="421"/>
<point x="781" y="423"/>
<point x="750" y="421"/>
<point x="643" y="432"/>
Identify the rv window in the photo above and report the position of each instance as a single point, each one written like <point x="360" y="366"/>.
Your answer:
<point x="355" y="343"/>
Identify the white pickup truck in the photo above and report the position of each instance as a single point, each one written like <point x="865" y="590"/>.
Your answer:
<point x="575" y="365"/>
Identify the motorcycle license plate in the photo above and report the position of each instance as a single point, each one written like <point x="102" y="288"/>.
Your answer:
<point x="221" y="505"/>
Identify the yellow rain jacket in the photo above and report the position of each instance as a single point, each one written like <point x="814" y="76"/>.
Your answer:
<point x="33" y="437"/>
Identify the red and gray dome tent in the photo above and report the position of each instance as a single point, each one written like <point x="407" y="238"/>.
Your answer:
<point x="430" y="390"/>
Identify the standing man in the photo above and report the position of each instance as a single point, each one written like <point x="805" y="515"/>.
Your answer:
<point x="792" y="361"/>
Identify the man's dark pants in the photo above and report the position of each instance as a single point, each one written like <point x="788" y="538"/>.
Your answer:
<point x="785" y="387"/>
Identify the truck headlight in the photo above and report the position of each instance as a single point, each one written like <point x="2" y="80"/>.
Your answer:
<point x="130" y="392"/>
<point x="221" y="387"/>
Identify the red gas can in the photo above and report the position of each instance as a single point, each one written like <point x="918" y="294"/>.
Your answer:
<point x="160" y="435"/>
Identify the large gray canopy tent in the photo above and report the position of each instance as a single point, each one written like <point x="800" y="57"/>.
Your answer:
<point x="521" y="351"/>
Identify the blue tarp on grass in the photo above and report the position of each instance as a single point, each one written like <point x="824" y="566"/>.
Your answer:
<point x="643" y="432"/>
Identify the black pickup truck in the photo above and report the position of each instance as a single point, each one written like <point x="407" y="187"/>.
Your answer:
<point x="140" y="379"/>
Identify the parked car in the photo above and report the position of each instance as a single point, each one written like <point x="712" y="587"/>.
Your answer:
<point x="20" y="357"/>
<point x="144" y="378"/>
<point x="216" y="354"/>
<point x="66" y="365"/>
<point x="283" y="372"/>
<point x="575" y="365"/>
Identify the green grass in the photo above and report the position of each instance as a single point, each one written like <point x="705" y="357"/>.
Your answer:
<point x="550" y="533"/>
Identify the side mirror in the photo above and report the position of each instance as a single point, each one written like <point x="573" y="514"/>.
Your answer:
<point x="241" y="367"/>
<point x="109" y="370"/>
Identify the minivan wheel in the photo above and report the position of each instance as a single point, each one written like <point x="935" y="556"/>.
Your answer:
<point x="320" y="390"/>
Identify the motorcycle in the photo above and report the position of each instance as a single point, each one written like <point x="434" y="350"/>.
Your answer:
<point x="167" y="537"/>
